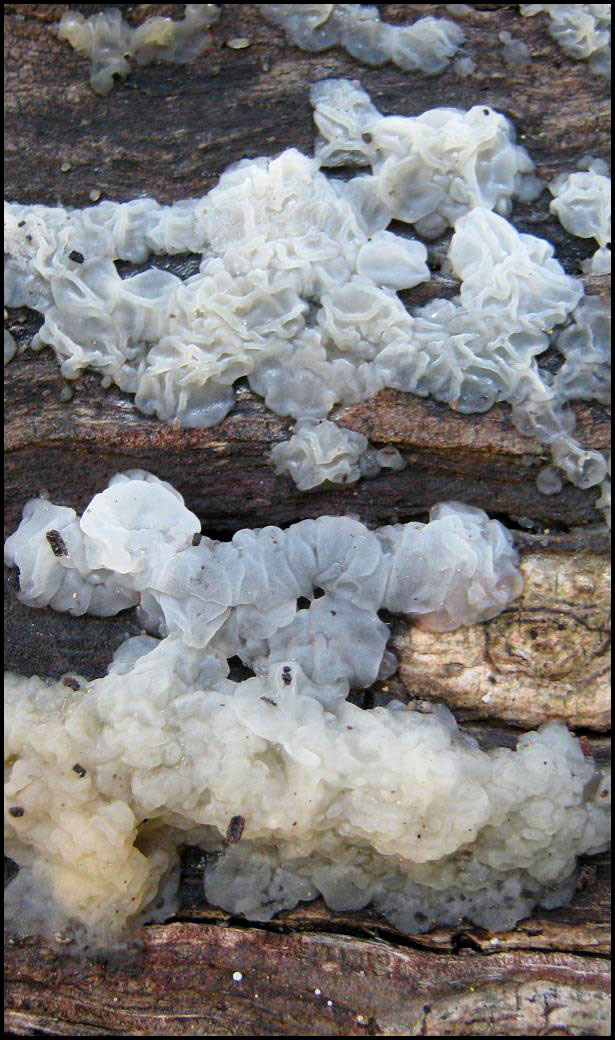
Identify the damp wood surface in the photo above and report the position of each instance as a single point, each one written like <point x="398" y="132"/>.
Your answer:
<point x="169" y="131"/>
<point x="305" y="983"/>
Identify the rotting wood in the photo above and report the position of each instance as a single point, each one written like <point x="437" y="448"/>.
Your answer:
<point x="479" y="459"/>
<point x="545" y="657"/>
<point x="169" y="131"/>
<point x="581" y="927"/>
<point x="185" y="982"/>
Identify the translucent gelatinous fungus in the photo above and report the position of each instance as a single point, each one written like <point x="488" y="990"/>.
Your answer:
<point x="298" y="790"/>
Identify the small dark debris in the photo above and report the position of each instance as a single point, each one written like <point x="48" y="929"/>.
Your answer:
<point x="76" y="257"/>
<point x="58" y="546"/>
<point x="196" y="538"/>
<point x="79" y="770"/>
<point x="287" y="677"/>
<point x="71" y="683"/>
<point x="268" y="700"/>
<point x="22" y="223"/>
<point x="234" y="830"/>
<point x="16" y="810"/>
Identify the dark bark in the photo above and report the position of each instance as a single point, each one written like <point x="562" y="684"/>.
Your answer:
<point x="292" y="984"/>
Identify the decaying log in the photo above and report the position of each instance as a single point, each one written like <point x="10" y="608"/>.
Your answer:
<point x="186" y="984"/>
<point x="478" y="459"/>
<point x="169" y="131"/>
<point x="545" y="657"/>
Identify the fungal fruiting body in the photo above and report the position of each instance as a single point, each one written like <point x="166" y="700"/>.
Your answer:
<point x="514" y="52"/>
<point x="582" y="202"/>
<point x="111" y="43"/>
<point x="10" y="347"/>
<point x="425" y="46"/>
<point x="582" y="30"/>
<point x="429" y="169"/>
<point x="134" y="545"/>
<point x="393" y="807"/>
<point x="297" y="289"/>
<point x="320" y="451"/>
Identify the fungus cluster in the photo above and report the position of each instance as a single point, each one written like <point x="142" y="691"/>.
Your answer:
<point x="291" y="789"/>
<point x="111" y="43"/>
<point x="136" y="543"/>
<point x="297" y="289"/>
<point x="583" y="31"/>
<point x="425" y="46"/>
<point x="582" y="202"/>
<point x="320" y="451"/>
<point x="297" y="791"/>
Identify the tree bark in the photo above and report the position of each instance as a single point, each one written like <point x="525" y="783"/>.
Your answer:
<point x="169" y="131"/>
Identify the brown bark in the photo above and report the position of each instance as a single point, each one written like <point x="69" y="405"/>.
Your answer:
<point x="169" y="131"/>
<point x="545" y="657"/>
<point x="304" y="984"/>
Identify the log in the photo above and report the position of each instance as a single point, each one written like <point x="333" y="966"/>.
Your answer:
<point x="169" y="131"/>
<point x="545" y="657"/>
<point x="185" y="983"/>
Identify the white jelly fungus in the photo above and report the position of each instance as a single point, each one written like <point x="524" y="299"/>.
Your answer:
<point x="393" y="807"/>
<point x="111" y="43"/>
<point x="582" y="30"/>
<point x="425" y="46"/>
<point x="298" y="285"/>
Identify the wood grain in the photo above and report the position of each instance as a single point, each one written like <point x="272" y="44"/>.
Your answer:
<point x="545" y="657"/>
<point x="184" y="983"/>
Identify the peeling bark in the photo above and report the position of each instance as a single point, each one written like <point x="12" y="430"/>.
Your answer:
<point x="545" y="657"/>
